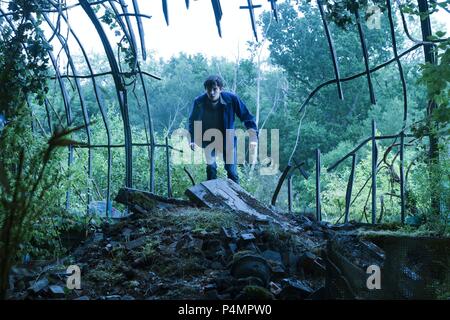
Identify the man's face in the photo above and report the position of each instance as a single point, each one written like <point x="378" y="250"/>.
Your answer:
<point x="213" y="93"/>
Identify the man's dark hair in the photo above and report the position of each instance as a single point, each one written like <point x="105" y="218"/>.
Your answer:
<point x="212" y="81"/>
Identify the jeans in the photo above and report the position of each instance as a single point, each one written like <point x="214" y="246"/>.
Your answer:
<point x="211" y="167"/>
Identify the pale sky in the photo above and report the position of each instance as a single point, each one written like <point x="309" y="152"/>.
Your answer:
<point x="193" y="30"/>
<point x="190" y="30"/>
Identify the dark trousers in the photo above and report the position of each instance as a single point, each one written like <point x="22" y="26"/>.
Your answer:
<point x="211" y="167"/>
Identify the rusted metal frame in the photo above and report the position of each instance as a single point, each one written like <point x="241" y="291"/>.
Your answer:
<point x="129" y="35"/>
<point x="103" y="115"/>
<point x="123" y="145"/>
<point x="374" y="172"/>
<point x="362" y="38"/>
<point x="149" y="151"/>
<point x="332" y="167"/>
<point x="152" y="133"/>
<point x="365" y="183"/>
<point x="66" y="102"/>
<point x="132" y="38"/>
<point x="348" y="194"/>
<point x="149" y="128"/>
<point x="217" y="8"/>
<point x="399" y="64"/>
<point x="5" y="14"/>
<point x="189" y="175"/>
<point x="120" y="90"/>
<point x="169" y="177"/>
<point x="129" y="39"/>
<point x="332" y="50"/>
<point x="378" y="165"/>
<point x="58" y="22"/>
<point x="298" y="166"/>
<point x="140" y="28"/>
<point x="137" y="15"/>
<point x="405" y="25"/>
<point x="318" y="187"/>
<point x="290" y="193"/>
<point x="104" y="118"/>
<point x="443" y="8"/>
<point x="128" y="137"/>
<point x="101" y="74"/>
<point x="326" y="83"/>
<point x="274" y="8"/>
<point x="402" y="176"/>
<point x="402" y="135"/>
<point x="165" y="11"/>
<point x="405" y="28"/>
<point x="66" y="8"/>
<point x="280" y="183"/>
<point x="86" y="120"/>
<point x="251" y="8"/>
<point x="137" y="66"/>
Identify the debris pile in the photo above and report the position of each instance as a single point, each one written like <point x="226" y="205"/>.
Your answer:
<point x="223" y="244"/>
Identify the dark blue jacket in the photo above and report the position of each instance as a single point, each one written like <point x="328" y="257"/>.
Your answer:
<point x="231" y="104"/>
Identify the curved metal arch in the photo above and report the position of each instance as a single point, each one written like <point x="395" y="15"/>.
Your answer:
<point x="101" y="106"/>
<point x="120" y="9"/>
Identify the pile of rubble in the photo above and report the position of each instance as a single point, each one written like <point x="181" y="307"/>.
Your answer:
<point x="222" y="244"/>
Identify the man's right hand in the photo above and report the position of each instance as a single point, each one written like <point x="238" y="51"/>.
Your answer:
<point x="192" y="145"/>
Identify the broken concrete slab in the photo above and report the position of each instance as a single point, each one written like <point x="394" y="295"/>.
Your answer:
<point x="38" y="286"/>
<point x="225" y="194"/>
<point x="247" y="237"/>
<point x="57" y="291"/>
<point x="273" y="255"/>
<point x="294" y="290"/>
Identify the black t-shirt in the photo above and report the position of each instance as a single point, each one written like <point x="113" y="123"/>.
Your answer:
<point x="213" y="117"/>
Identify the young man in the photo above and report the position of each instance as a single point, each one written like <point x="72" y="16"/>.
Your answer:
<point x="216" y="109"/>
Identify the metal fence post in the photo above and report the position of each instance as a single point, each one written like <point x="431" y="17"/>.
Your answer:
<point x="348" y="195"/>
<point x="374" y="173"/>
<point x="402" y="175"/>
<point x="290" y="193"/>
<point x="318" y="203"/>
<point x="169" y="182"/>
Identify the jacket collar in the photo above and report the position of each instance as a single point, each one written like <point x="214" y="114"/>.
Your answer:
<point x="222" y="100"/>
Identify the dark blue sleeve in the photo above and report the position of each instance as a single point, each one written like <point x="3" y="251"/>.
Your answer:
<point x="244" y="115"/>
<point x="192" y="117"/>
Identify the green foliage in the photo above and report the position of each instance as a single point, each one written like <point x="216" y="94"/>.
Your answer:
<point x="436" y="78"/>
<point x="22" y="72"/>
<point x="342" y="12"/>
<point x="31" y="177"/>
<point x="30" y="182"/>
